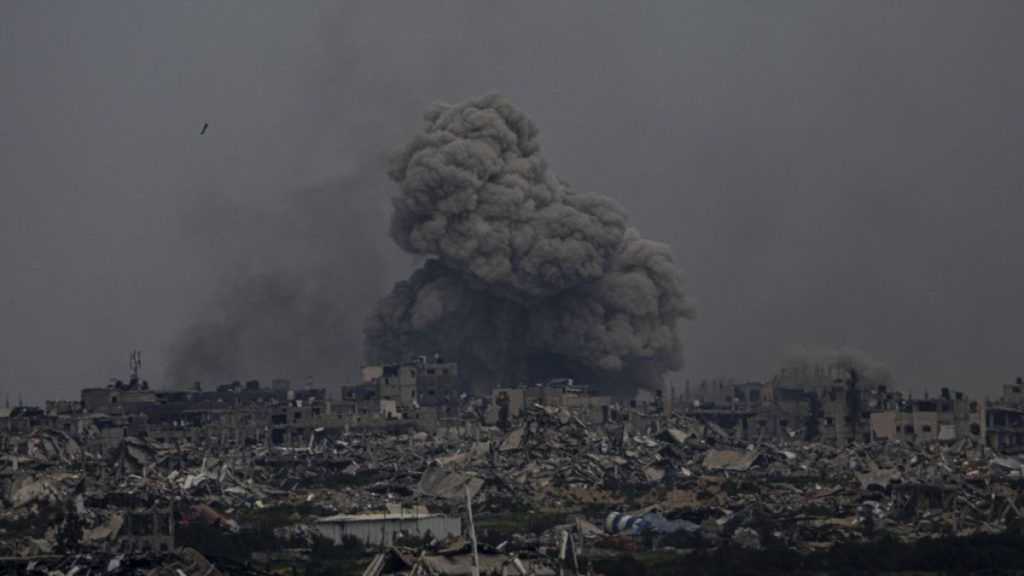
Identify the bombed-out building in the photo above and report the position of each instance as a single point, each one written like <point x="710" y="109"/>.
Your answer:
<point x="951" y="416"/>
<point x="832" y="404"/>
<point x="235" y="414"/>
<point x="508" y="403"/>
<point x="395" y="390"/>
<point x="1004" y="419"/>
<point x="826" y="403"/>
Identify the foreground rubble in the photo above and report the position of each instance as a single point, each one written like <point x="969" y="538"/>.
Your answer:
<point x="613" y="486"/>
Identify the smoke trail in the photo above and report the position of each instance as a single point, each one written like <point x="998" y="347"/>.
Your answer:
<point x="528" y="278"/>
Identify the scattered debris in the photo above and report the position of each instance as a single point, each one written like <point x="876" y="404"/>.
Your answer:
<point x="115" y="488"/>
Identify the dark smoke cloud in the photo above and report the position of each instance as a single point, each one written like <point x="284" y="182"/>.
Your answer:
<point x="869" y="371"/>
<point x="294" y="286"/>
<point x="477" y="193"/>
<point x="528" y="278"/>
<point x="270" y="321"/>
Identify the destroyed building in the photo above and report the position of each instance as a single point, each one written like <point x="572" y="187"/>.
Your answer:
<point x="148" y="530"/>
<point x="949" y="417"/>
<point x="512" y="402"/>
<point x="232" y="414"/>
<point x="419" y="393"/>
<point x="404" y="386"/>
<point x="142" y="475"/>
<point x="1013" y="394"/>
<point x="1004" y="419"/>
<point x="831" y="404"/>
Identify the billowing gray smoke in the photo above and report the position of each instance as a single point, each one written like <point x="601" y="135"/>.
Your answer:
<point x="870" y="371"/>
<point x="527" y="278"/>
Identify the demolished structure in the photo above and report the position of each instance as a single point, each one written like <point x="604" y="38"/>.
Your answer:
<point x="558" y="477"/>
<point x="831" y="404"/>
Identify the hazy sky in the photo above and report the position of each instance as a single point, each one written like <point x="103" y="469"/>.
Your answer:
<point x="826" y="173"/>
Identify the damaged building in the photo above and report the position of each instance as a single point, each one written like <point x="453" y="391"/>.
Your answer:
<point x="831" y="404"/>
<point x="402" y="391"/>
<point x="399" y="461"/>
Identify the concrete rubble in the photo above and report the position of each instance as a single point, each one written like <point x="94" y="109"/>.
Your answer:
<point x="585" y="486"/>
<point x="811" y="494"/>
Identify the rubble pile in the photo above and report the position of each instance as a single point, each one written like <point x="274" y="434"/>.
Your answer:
<point x="674" y="477"/>
<point x="456" y="557"/>
<point x="810" y="494"/>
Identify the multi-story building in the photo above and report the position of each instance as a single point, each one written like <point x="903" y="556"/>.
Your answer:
<point x="1004" y="420"/>
<point x="395" y="390"/>
<point x="951" y="416"/>
<point x="822" y="403"/>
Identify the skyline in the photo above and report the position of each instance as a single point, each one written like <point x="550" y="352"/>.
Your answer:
<point x="825" y="175"/>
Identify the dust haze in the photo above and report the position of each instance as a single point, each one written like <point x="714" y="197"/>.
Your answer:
<point x="826" y="174"/>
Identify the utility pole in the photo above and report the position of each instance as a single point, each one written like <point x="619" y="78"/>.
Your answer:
<point x="472" y="532"/>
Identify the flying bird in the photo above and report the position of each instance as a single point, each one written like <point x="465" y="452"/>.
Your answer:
<point x="205" y="126"/>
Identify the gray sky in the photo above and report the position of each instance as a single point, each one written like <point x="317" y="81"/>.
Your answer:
<point x="826" y="173"/>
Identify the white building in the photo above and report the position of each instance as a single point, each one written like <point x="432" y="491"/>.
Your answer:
<point x="382" y="529"/>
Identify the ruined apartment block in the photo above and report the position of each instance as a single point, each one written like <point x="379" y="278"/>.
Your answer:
<point x="830" y="404"/>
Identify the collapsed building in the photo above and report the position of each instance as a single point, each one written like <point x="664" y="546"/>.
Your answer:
<point x="508" y="403"/>
<point x="1004" y="420"/>
<point x="232" y="414"/>
<point x="831" y="404"/>
<point x="414" y="384"/>
<point x="394" y="462"/>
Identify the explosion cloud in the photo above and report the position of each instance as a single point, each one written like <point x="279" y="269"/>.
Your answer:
<point x="526" y="278"/>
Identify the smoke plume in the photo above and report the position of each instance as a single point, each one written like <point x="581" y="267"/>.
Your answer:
<point x="295" y="283"/>
<point x="870" y="371"/>
<point x="526" y="278"/>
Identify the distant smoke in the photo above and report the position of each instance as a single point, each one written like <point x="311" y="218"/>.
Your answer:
<point x="527" y="277"/>
<point x="269" y="321"/>
<point x="870" y="372"/>
<point x="298" y="277"/>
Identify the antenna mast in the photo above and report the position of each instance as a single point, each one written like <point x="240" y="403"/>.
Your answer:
<point x="135" y="364"/>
